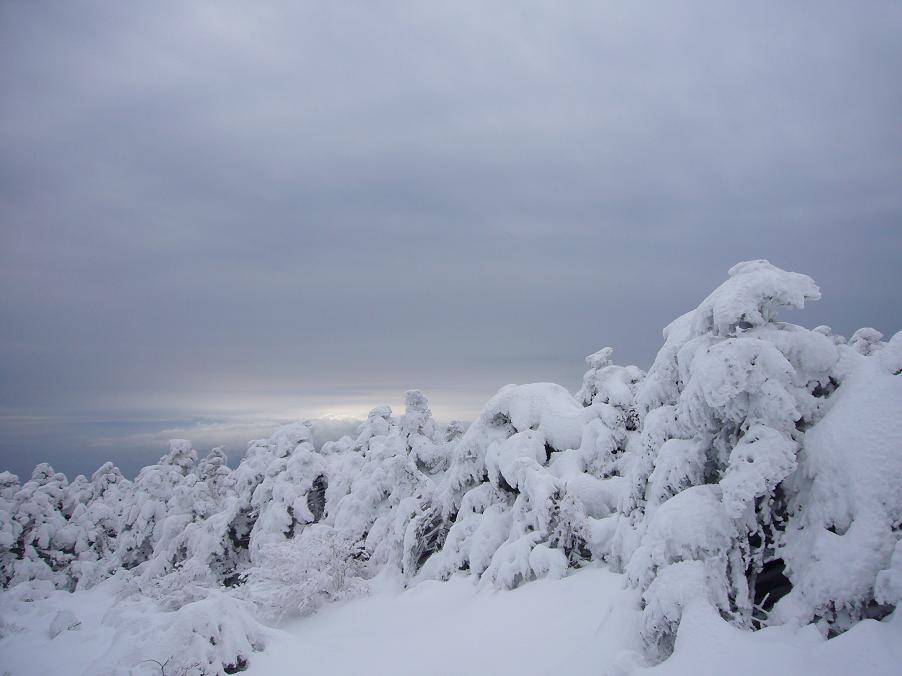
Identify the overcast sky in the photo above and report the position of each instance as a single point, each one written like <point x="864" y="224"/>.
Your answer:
<point x="219" y="216"/>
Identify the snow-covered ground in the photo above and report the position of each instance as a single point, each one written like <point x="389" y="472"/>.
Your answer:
<point x="28" y="647"/>
<point x="576" y="625"/>
<point x="586" y="623"/>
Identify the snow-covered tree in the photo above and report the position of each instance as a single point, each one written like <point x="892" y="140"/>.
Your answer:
<point x="298" y="575"/>
<point x="158" y="509"/>
<point x="729" y="408"/>
<point x="42" y="547"/>
<point x="531" y="477"/>
<point x="10" y="529"/>
<point x="842" y="537"/>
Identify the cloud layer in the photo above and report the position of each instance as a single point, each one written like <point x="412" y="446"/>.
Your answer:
<point x="223" y="209"/>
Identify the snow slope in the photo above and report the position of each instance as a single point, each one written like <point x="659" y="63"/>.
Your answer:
<point x="28" y="649"/>
<point x="708" y="646"/>
<point x="576" y="625"/>
<point x="586" y="623"/>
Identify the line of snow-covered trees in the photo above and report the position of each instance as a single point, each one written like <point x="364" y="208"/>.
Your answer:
<point x="755" y="472"/>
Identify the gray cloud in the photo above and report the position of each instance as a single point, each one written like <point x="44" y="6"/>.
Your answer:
<point x="218" y="209"/>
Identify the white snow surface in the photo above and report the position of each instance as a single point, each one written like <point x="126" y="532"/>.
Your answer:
<point x="583" y="624"/>
<point x="586" y="623"/>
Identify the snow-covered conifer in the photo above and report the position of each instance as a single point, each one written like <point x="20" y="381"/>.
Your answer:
<point x="726" y="403"/>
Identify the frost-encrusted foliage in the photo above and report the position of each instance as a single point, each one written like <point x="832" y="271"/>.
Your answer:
<point x="756" y="469"/>
<point x="299" y="575"/>
<point x="739" y="467"/>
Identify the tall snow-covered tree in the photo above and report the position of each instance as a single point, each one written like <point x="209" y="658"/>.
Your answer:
<point x="724" y="412"/>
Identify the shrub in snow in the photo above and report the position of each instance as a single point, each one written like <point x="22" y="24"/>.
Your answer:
<point x="676" y="588"/>
<point x="221" y="541"/>
<point x="10" y="528"/>
<point x="526" y="474"/>
<point x="159" y="507"/>
<point x="280" y="500"/>
<point x="422" y="435"/>
<point x="866" y="341"/>
<point x="388" y="504"/>
<point x="846" y="506"/>
<point x="613" y="385"/>
<point x="214" y="472"/>
<point x="691" y="526"/>
<point x="213" y="635"/>
<point x="297" y="576"/>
